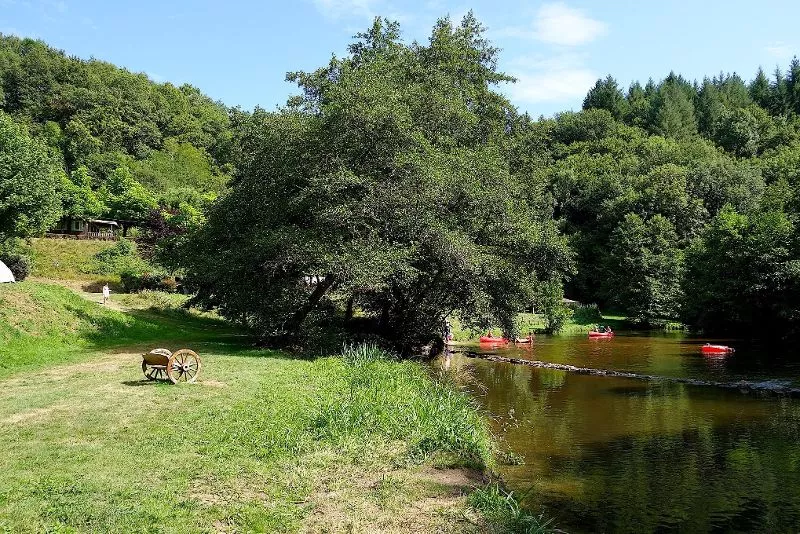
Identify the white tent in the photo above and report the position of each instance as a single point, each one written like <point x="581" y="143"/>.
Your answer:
<point x="5" y="274"/>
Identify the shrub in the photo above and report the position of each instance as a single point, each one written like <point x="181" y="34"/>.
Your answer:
<point x="122" y="257"/>
<point x="19" y="265"/>
<point x="587" y="315"/>
<point x="134" y="282"/>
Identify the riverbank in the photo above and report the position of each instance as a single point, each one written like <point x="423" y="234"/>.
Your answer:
<point x="263" y="441"/>
<point x="643" y="433"/>
<point x="581" y="322"/>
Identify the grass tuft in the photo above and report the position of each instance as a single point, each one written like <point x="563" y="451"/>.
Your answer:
<point x="374" y="394"/>
<point x="504" y="513"/>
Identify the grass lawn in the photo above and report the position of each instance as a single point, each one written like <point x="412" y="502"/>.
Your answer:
<point x="67" y="259"/>
<point x="263" y="442"/>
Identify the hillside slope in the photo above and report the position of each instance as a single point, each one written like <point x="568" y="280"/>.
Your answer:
<point x="44" y="324"/>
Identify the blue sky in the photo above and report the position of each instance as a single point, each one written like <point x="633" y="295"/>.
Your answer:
<point x="239" y="51"/>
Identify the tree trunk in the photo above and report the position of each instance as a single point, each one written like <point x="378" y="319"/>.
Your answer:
<point x="349" y="312"/>
<point x="292" y="326"/>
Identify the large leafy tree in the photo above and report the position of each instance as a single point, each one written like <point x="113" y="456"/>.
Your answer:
<point x="743" y="275"/>
<point x="644" y="268"/>
<point x="29" y="180"/>
<point x="387" y="182"/>
<point x="78" y="199"/>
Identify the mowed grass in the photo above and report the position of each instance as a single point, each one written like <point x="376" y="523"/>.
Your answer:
<point x="262" y="443"/>
<point x="252" y="447"/>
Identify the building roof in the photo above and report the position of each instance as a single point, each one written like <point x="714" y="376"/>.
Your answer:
<point x="101" y="221"/>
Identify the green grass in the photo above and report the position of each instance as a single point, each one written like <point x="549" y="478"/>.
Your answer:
<point x="67" y="259"/>
<point x="44" y="324"/>
<point x="502" y="509"/>
<point x="262" y="443"/>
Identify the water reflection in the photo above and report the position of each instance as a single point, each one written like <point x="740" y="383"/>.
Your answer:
<point x="620" y="455"/>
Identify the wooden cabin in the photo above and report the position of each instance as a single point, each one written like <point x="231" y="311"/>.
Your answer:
<point x="70" y="227"/>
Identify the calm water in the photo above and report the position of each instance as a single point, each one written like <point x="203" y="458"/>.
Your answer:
<point x="622" y="455"/>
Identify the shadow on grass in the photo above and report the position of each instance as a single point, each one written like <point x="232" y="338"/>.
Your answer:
<point x="136" y="383"/>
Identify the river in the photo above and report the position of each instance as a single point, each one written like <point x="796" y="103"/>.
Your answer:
<point x="606" y="454"/>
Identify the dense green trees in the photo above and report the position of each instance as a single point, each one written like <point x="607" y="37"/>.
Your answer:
<point x="118" y="136"/>
<point x="387" y="182"/>
<point x="407" y="187"/>
<point x="644" y="268"/>
<point x="743" y="275"/>
<point x="29" y="180"/>
<point x="716" y="184"/>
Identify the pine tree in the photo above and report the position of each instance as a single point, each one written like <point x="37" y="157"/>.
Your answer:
<point x="709" y="108"/>
<point x="606" y="95"/>
<point x="734" y="91"/>
<point x="759" y="89"/>
<point x="639" y="107"/>
<point x="793" y="85"/>
<point x="779" y="101"/>
<point x="674" y="115"/>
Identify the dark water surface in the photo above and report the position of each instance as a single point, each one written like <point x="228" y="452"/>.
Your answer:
<point x="623" y="455"/>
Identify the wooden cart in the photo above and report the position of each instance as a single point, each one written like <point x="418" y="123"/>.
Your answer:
<point x="180" y="366"/>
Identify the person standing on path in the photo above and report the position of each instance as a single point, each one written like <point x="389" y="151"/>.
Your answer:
<point x="106" y="294"/>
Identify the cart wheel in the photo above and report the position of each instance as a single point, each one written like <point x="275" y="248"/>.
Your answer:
<point x="155" y="373"/>
<point x="183" y="366"/>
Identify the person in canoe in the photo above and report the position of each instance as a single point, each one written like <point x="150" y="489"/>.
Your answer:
<point x="528" y="339"/>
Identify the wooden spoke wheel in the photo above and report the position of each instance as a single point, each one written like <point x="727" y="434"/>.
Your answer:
<point x="154" y="364"/>
<point x="154" y="373"/>
<point x="183" y="366"/>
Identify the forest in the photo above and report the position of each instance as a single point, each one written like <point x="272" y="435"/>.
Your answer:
<point x="404" y="181"/>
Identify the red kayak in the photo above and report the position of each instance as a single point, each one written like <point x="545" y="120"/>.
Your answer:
<point x="492" y="339"/>
<point x="708" y="348"/>
<point x="601" y="334"/>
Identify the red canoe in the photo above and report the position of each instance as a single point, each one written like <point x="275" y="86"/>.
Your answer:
<point x="708" y="348"/>
<point x="492" y="339"/>
<point x="601" y="334"/>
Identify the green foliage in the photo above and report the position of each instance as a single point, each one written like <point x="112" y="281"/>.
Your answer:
<point x="29" y="179"/>
<point x="120" y="137"/>
<point x="126" y="198"/>
<point x="134" y="281"/>
<point x="120" y="258"/>
<point x="549" y="301"/>
<point x="504" y="513"/>
<point x="18" y="264"/>
<point x="743" y="275"/>
<point x="607" y="95"/>
<point x="645" y="268"/>
<point x="429" y="221"/>
<point x="587" y="315"/>
<point x="103" y="109"/>
<point x="78" y="199"/>
<point x="178" y="165"/>
<point x="674" y="116"/>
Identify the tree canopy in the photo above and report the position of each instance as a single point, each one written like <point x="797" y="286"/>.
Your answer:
<point x="399" y="186"/>
<point x="388" y="180"/>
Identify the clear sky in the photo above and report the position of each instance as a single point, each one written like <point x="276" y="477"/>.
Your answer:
<point x="238" y="51"/>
